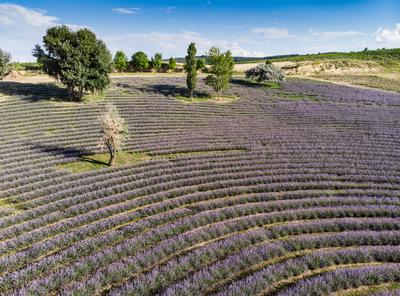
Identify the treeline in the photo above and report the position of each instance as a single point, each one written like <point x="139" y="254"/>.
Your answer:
<point x="140" y="62"/>
<point x="383" y="54"/>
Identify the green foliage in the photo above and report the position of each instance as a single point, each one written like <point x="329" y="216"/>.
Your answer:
<point x="384" y="55"/>
<point x="26" y="66"/>
<point x="200" y="64"/>
<point x="265" y="72"/>
<point x="139" y="62"/>
<point x="120" y="61"/>
<point x="191" y="68"/>
<point x="172" y="64"/>
<point x="221" y="69"/>
<point x="5" y="59"/>
<point x="77" y="59"/>
<point x="156" y="62"/>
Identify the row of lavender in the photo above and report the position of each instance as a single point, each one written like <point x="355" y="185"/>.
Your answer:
<point x="305" y="192"/>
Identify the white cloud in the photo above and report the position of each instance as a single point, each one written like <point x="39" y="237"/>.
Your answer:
<point x="272" y="33"/>
<point x="173" y="44"/>
<point x="168" y="9"/>
<point x="123" y="10"/>
<point x="388" y="36"/>
<point x="335" y="34"/>
<point x="22" y="27"/>
<point x="17" y="15"/>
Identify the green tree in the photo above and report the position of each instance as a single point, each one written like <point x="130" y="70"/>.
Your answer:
<point x="172" y="64"/>
<point x="263" y="72"/>
<point x="200" y="64"/>
<point x="76" y="58"/>
<point x="191" y="68"/>
<point x="120" y="61"/>
<point x="5" y="59"/>
<point x="221" y="69"/>
<point x="156" y="61"/>
<point x="139" y="61"/>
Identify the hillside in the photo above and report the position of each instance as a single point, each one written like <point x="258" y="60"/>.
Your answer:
<point x="286" y="191"/>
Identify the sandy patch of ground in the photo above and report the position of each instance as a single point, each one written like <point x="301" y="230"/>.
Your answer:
<point x="35" y="79"/>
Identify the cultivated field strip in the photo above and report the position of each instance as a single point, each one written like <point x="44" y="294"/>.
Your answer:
<point x="269" y="195"/>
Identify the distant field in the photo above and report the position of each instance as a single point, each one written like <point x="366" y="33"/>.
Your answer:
<point x="287" y="190"/>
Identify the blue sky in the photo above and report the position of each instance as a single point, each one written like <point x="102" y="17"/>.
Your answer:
<point x="248" y="28"/>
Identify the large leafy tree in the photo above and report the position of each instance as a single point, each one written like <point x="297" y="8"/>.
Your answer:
<point x="191" y="68"/>
<point x="5" y="59"/>
<point x="221" y="69"/>
<point x="139" y="61"/>
<point x="120" y="61"/>
<point x="156" y="61"/>
<point x="76" y="58"/>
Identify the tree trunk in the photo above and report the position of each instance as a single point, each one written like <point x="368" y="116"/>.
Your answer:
<point x="191" y="95"/>
<point x="219" y="96"/>
<point x="112" y="155"/>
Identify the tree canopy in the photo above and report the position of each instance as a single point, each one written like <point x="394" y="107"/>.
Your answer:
<point x="156" y="61"/>
<point x="191" y="68"/>
<point x="120" y="61"/>
<point x="139" y="61"/>
<point x="76" y="58"/>
<point x="221" y="69"/>
<point x="5" y="59"/>
<point x="172" y="64"/>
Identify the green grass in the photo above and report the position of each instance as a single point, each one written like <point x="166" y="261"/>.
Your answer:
<point x="99" y="161"/>
<point x="297" y="97"/>
<point x="224" y="99"/>
<point x="94" y="98"/>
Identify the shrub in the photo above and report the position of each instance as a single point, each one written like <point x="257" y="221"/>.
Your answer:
<point x="77" y="59"/>
<point x="5" y="59"/>
<point x="139" y="61"/>
<point x="265" y="72"/>
<point x="221" y="69"/>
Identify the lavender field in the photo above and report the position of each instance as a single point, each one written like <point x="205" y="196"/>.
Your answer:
<point x="287" y="191"/>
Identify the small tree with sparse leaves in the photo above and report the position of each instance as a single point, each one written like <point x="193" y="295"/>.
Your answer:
<point x="221" y="69"/>
<point x="114" y="132"/>
<point x="191" y="69"/>
<point x="5" y="59"/>
<point x="265" y="72"/>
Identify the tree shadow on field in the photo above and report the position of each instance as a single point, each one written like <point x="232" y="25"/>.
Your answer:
<point x="55" y="150"/>
<point x="243" y="82"/>
<point x="171" y="90"/>
<point x="34" y="92"/>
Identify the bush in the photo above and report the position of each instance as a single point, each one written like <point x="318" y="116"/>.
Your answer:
<point x="265" y="72"/>
<point x="139" y="62"/>
<point x="5" y="59"/>
<point x="200" y="64"/>
<point x="77" y="59"/>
